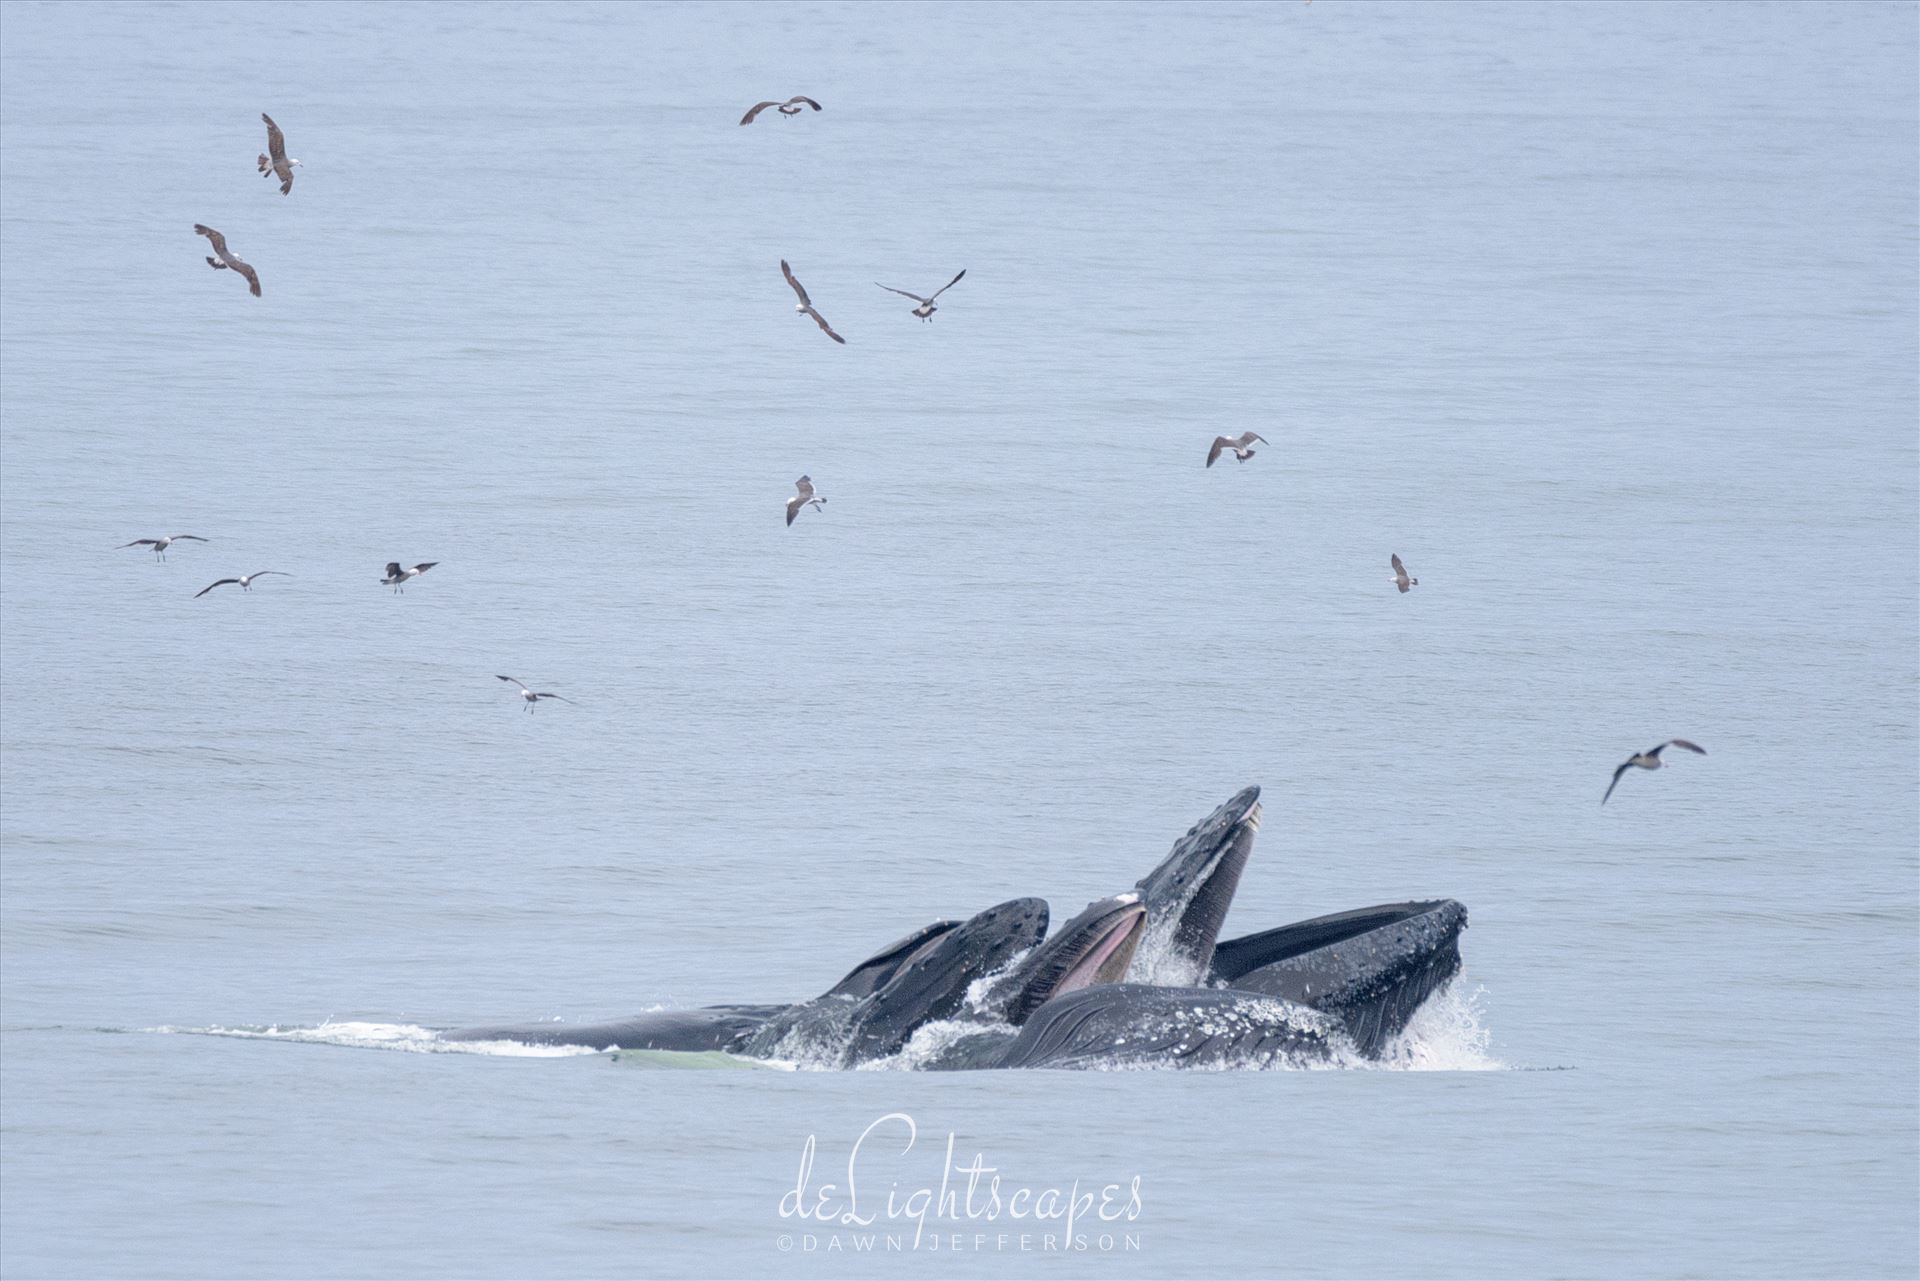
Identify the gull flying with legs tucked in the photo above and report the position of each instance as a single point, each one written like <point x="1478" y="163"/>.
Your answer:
<point x="1238" y="444"/>
<point x="245" y="581"/>
<point x="1649" y="760"/>
<point x="805" y="305"/>
<point x="926" y="308"/>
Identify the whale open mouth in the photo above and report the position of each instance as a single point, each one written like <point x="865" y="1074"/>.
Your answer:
<point x="1094" y="947"/>
<point x="1215" y="885"/>
<point x="1188" y="894"/>
<point x="1112" y="952"/>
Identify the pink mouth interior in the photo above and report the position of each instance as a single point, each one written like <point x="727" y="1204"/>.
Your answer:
<point x="1083" y="974"/>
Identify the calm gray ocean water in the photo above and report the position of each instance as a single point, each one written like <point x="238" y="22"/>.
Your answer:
<point x="1603" y="316"/>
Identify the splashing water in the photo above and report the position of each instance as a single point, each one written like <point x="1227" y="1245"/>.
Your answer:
<point x="1156" y="961"/>
<point x="1445" y="1034"/>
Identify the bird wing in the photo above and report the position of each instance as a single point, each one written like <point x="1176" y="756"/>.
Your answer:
<point x="219" y="241"/>
<point x="804" y="488"/>
<point x="1624" y="767"/>
<point x="393" y="569"/>
<point x="1248" y="437"/>
<point x="561" y="697"/>
<point x="1219" y="443"/>
<point x="424" y="566"/>
<point x="510" y="680"/>
<point x="192" y="538"/>
<point x="261" y="573"/>
<point x="800" y="97"/>
<point x="1398" y="568"/>
<point x="284" y="172"/>
<point x="793" y="508"/>
<point x="758" y="107"/>
<point x="139" y="542"/>
<point x="904" y="294"/>
<point x="1681" y="742"/>
<point x="821" y="321"/>
<point x="276" y="141"/>
<point x="950" y="284"/>
<point x="253" y="277"/>
<point x="210" y="586"/>
<point x="797" y="287"/>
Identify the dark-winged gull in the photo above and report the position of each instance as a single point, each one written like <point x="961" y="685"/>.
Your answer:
<point x="245" y="581"/>
<point x="1238" y="444"/>
<point x="803" y="497"/>
<point x="926" y="308"/>
<point x="396" y="576"/>
<point x="805" y="305"/>
<point x="160" y="545"/>
<point x="1649" y="760"/>
<point x="275" y="160"/>
<point x="1400" y="578"/>
<point x="529" y="695"/>
<point x="223" y="259"/>
<point x="791" y="107"/>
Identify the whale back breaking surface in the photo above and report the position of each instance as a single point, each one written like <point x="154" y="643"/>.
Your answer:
<point x="1372" y="967"/>
<point x="716" y="1027"/>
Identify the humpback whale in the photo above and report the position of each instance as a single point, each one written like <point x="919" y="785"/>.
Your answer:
<point x="1282" y="995"/>
<point x="1188" y="894"/>
<point x="1291" y="994"/>
<point x="1141" y="979"/>
<point x="927" y="986"/>
<point x="1371" y="968"/>
<point x="713" y="1027"/>
<point x="1134" y="1025"/>
<point x="1094" y="948"/>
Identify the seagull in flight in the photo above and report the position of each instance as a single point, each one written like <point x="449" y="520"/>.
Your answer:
<point x="1238" y="444"/>
<point x="803" y="497"/>
<point x="223" y="259"/>
<point x="805" y="305"/>
<point x="275" y="160"/>
<point x="245" y="581"/>
<point x="1400" y="578"/>
<point x="791" y="107"/>
<point x="160" y="545"/>
<point x="1649" y="760"/>
<point x="529" y="695"/>
<point x="396" y="577"/>
<point x="926" y="308"/>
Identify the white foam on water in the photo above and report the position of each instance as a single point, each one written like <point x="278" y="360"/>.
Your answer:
<point x="930" y="1042"/>
<point x="406" y="1037"/>
<point x="1445" y="1034"/>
